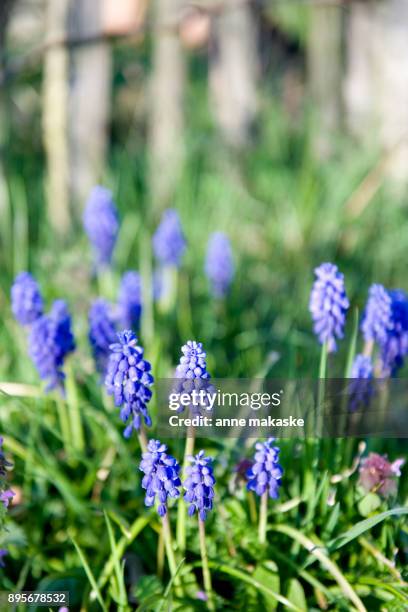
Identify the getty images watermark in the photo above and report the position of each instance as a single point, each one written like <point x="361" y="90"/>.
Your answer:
<point x="205" y="401"/>
<point x="282" y="408"/>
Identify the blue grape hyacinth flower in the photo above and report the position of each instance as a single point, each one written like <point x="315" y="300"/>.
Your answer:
<point x="362" y="367"/>
<point x="161" y="476"/>
<point x="50" y="341"/>
<point x="26" y="300"/>
<point x="130" y="300"/>
<point x="328" y="305"/>
<point x="199" y="485"/>
<point x="395" y="347"/>
<point x="219" y="265"/>
<point x="129" y="380"/>
<point x="191" y="375"/>
<point x="361" y="388"/>
<point x="265" y="474"/>
<point x="377" y="319"/>
<point x="101" y="224"/>
<point x="102" y="332"/>
<point x="193" y="362"/>
<point x="168" y="241"/>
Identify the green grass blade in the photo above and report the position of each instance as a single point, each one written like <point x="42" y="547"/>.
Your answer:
<point x="235" y="573"/>
<point x="362" y="527"/>
<point x="353" y="345"/>
<point x="117" y="564"/>
<point x="167" y="591"/>
<point x="90" y="575"/>
<point x="138" y="526"/>
<point x="326" y="562"/>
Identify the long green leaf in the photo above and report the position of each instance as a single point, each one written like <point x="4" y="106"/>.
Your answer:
<point x="363" y="526"/>
<point x="90" y="575"/>
<point x="117" y="564"/>
<point x="325" y="561"/>
<point x="231" y="571"/>
<point x="138" y="525"/>
<point x="167" y="591"/>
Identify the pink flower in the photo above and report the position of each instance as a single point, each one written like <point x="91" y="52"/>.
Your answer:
<point x="378" y="475"/>
<point x="6" y="497"/>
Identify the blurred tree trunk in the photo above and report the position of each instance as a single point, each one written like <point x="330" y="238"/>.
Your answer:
<point x="5" y="9"/>
<point x="89" y="98"/>
<point x="76" y="89"/>
<point x="234" y="71"/>
<point x="376" y="88"/>
<point x="325" y="72"/>
<point x="55" y="105"/>
<point x="166" y="103"/>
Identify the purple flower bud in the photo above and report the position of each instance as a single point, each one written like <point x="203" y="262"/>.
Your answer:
<point x="378" y="475"/>
<point x="168" y="241"/>
<point x="199" y="485"/>
<point x="50" y="341"/>
<point x="266" y="473"/>
<point x="219" y="266"/>
<point x="161" y="476"/>
<point x="6" y="497"/>
<point x="130" y="300"/>
<point x="101" y="333"/>
<point x="328" y="305"/>
<point x="101" y="224"/>
<point x="26" y="300"/>
<point x="129" y="380"/>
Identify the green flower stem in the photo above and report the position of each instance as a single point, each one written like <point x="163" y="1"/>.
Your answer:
<point x="263" y="518"/>
<point x="77" y="433"/>
<point x="368" y="348"/>
<point x="206" y="569"/>
<point x="252" y="507"/>
<point x="321" y="389"/>
<point x="168" y="542"/>
<point x="181" y="509"/>
<point x="142" y="439"/>
<point x="63" y="420"/>
<point x="169" y="279"/>
<point x="160" y="555"/>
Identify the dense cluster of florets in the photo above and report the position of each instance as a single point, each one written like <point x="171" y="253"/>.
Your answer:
<point x="161" y="476"/>
<point x="129" y="380"/>
<point x="219" y="265"/>
<point x="130" y="300"/>
<point x="101" y="333"/>
<point x="265" y="474"/>
<point x="385" y="322"/>
<point x="26" y="299"/>
<point x="50" y="341"/>
<point x="362" y="367"/>
<point x="168" y="241"/>
<point x="377" y="317"/>
<point x="395" y="347"/>
<point x="193" y="362"/>
<point x="6" y="495"/>
<point x="328" y="305"/>
<point x="361" y="388"/>
<point x="101" y="224"/>
<point x="199" y="485"/>
<point x="378" y="475"/>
